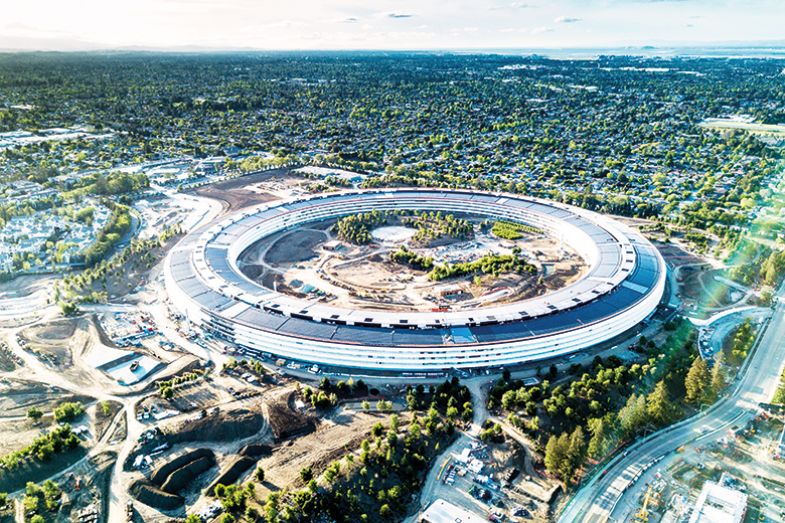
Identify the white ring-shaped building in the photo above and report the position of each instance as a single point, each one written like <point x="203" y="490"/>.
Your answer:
<point x="623" y="286"/>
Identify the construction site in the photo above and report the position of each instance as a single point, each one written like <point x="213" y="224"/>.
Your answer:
<point x="312" y="262"/>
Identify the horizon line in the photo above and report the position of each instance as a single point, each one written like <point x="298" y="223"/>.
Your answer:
<point x="195" y="49"/>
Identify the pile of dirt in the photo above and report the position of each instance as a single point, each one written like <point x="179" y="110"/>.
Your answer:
<point x="182" y="477"/>
<point x="217" y="426"/>
<point x="239" y="466"/>
<point x="285" y="421"/>
<point x="256" y="450"/>
<point x="150" y="495"/>
<point x="162" y="472"/>
<point x="167" y="481"/>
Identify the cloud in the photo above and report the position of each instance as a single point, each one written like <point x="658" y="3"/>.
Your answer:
<point x="566" y="20"/>
<point x="350" y="20"/>
<point x="399" y="15"/>
<point x="511" y="5"/>
<point x="540" y="30"/>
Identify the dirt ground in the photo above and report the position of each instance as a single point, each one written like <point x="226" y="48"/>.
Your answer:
<point x="700" y="288"/>
<point x="295" y="247"/>
<point x="200" y="396"/>
<point x="529" y="489"/>
<point x="677" y="256"/>
<point x="24" y="285"/>
<point x="87" y="487"/>
<point x="15" y="434"/>
<point x="17" y="395"/>
<point x="236" y="193"/>
<point x="342" y="431"/>
<point x="56" y="342"/>
<point x="101" y="421"/>
<point x="63" y="345"/>
<point x="355" y="276"/>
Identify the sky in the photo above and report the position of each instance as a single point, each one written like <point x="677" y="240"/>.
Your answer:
<point x="383" y="24"/>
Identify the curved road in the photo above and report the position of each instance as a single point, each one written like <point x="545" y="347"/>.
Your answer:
<point x="600" y="499"/>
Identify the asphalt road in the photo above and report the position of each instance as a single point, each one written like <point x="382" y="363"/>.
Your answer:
<point x="607" y="496"/>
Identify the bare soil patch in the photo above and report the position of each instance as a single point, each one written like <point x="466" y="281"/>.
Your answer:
<point x="365" y="277"/>
<point x="285" y="420"/>
<point x="331" y="440"/>
<point x="233" y="424"/>
<point x="88" y="485"/>
<point x="16" y="396"/>
<point x="235" y="193"/>
<point x="103" y="421"/>
<point x="295" y="247"/>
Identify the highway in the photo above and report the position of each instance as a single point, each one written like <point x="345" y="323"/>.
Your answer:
<point x="607" y="495"/>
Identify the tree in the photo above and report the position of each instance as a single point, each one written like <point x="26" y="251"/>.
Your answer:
<point x="260" y="475"/>
<point x="576" y="452"/>
<point x="68" y="308"/>
<point x="602" y="438"/>
<point x="633" y="415"/>
<point x="68" y="411"/>
<point x="718" y="374"/>
<point x="658" y="405"/>
<point x="306" y="474"/>
<point x="697" y="382"/>
<point x="34" y="414"/>
<point x="556" y="453"/>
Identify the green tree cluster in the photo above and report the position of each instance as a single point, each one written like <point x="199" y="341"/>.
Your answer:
<point x="68" y="411"/>
<point x="494" y="264"/>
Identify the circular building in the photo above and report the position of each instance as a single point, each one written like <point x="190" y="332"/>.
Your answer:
<point x="622" y="285"/>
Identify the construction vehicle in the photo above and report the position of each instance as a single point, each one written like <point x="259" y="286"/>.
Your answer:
<point x="643" y="514"/>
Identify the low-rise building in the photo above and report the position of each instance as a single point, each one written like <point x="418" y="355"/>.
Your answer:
<point x="719" y="504"/>
<point x="441" y="511"/>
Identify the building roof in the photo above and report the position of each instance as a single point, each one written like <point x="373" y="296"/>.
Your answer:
<point x="441" y="511"/>
<point x="624" y="270"/>
<point x="719" y="504"/>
